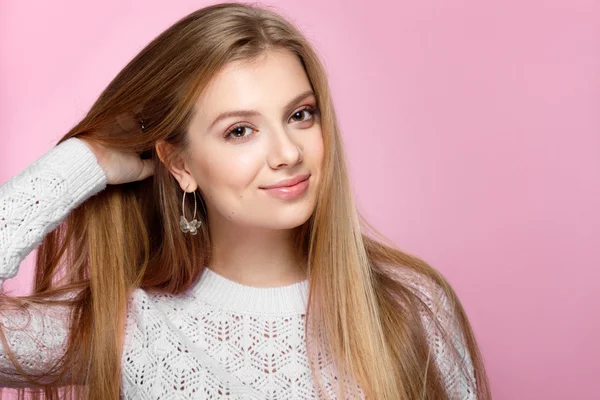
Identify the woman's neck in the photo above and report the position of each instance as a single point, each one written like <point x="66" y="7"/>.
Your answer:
<point x="265" y="258"/>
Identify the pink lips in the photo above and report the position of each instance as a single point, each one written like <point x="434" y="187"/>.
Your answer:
<point x="289" y="188"/>
<point x="288" y="182"/>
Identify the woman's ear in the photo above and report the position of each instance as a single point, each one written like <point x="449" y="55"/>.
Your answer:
<point x="176" y="164"/>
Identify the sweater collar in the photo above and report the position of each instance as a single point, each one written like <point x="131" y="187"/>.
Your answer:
<point x="229" y="295"/>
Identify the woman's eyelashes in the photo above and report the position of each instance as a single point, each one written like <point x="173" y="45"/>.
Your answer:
<point x="237" y="132"/>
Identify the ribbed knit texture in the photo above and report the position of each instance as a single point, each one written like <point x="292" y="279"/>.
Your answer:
<point x="219" y="340"/>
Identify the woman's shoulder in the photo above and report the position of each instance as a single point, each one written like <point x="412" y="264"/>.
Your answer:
<point x="436" y="300"/>
<point x="426" y="282"/>
<point x="440" y="311"/>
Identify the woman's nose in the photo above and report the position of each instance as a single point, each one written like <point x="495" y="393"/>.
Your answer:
<point x="283" y="149"/>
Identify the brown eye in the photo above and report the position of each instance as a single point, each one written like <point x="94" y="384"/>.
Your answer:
<point x="298" y="114"/>
<point x="238" y="132"/>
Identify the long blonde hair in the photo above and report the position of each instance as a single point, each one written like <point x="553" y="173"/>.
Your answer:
<point x="362" y="310"/>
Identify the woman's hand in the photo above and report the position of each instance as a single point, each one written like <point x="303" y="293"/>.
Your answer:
<point x="120" y="167"/>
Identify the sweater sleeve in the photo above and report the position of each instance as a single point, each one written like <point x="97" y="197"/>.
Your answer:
<point x="37" y="337"/>
<point x="451" y="357"/>
<point x="32" y="204"/>
<point x="35" y="201"/>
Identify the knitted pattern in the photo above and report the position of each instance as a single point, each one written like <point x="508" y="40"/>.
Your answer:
<point x="219" y="340"/>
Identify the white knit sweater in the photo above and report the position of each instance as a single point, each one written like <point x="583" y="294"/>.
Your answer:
<point x="219" y="340"/>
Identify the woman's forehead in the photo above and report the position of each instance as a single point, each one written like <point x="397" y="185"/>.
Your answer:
<point x="266" y="85"/>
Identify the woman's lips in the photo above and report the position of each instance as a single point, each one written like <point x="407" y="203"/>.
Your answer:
<point x="288" y="182"/>
<point x="289" y="192"/>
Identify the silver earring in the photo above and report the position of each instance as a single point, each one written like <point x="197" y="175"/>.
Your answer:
<point x="184" y="224"/>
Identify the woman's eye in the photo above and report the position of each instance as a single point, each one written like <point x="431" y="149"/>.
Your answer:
<point x="237" y="132"/>
<point x="241" y="132"/>
<point x="298" y="114"/>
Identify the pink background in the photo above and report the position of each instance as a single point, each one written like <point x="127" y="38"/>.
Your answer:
<point x="473" y="133"/>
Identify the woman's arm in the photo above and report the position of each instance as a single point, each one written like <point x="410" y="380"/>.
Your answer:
<point x="450" y="354"/>
<point x="37" y="337"/>
<point x="35" y="201"/>
<point x="32" y="204"/>
<point x="452" y="357"/>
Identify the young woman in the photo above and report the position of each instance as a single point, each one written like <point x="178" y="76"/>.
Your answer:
<point x="198" y="238"/>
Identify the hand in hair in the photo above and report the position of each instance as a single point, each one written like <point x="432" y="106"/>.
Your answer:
<point x="120" y="167"/>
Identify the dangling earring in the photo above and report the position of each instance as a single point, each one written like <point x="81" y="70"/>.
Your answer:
<point x="185" y="225"/>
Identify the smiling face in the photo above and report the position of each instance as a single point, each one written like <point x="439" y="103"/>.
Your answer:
<point x="256" y="124"/>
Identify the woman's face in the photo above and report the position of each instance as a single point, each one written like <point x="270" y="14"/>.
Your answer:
<point x="255" y="126"/>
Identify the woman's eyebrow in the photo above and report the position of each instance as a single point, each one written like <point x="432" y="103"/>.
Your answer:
<point x="252" y="113"/>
